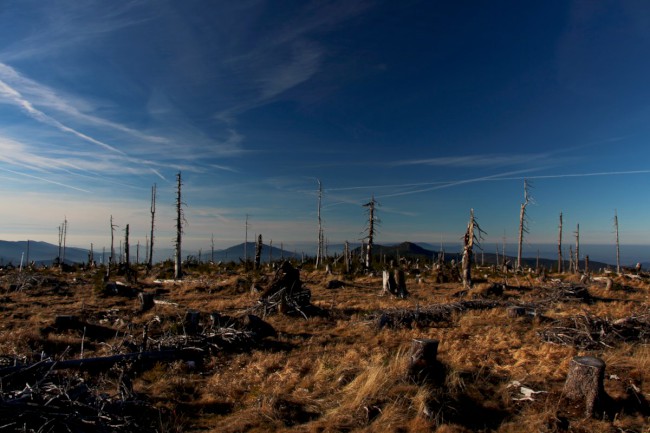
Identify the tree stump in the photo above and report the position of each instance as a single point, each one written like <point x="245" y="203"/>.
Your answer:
<point x="259" y="327"/>
<point x="335" y="284"/>
<point x="422" y="359"/>
<point x="401" y="283"/>
<point x="215" y="319"/>
<point x="585" y="382"/>
<point x="388" y="283"/>
<point x="385" y="285"/>
<point x="191" y="321"/>
<point x="146" y="301"/>
<point x="610" y="284"/>
<point x="516" y="311"/>
<point x="66" y="322"/>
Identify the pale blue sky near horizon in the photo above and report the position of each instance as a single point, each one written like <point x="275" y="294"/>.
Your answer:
<point x="432" y="107"/>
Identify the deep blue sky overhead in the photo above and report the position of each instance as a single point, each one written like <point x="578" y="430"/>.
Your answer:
<point x="434" y="107"/>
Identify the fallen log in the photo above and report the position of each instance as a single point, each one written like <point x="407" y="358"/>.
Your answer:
<point x="430" y="315"/>
<point x="103" y="363"/>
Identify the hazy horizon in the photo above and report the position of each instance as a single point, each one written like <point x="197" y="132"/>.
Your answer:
<point x="630" y="254"/>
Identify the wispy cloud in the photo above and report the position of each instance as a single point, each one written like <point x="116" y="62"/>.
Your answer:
<point x="285" y="57"/>
<point x="490" y="160"/>
<point x="76" y="24"/>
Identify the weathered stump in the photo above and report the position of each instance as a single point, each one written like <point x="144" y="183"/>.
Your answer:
<point x="516" y="311"/>
<point x="66" y="322"/>
<point x="257" y="326"/>
<point x="401" y="283"/>
<point x="389" y="283"/>
<point x="384" y="283"/>
<point x="422" y="359"/>
<point x="335" y="284"/>
<point x="585" y="382"/>
<point x="146" y="301"/>
<point x="215" y="319"/>
<point x="610" y="284"/>
<point x="287" y="278"/>
<point x="191" y="321"/>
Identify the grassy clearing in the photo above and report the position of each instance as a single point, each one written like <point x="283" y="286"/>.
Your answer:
<point x="339" y="372"/>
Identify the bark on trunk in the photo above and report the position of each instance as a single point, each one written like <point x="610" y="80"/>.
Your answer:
<point x="585" y="382"/>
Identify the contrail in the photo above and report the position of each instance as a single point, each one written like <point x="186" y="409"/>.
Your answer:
<point x="157" y="173"/>
<point x="557" y="176"/>
<point x="43" y="179"/>
<point x="456" y="183"/>
<point x="15" y="97"/>
<point x="499" y="177"/>
<point x="403" y="185"/>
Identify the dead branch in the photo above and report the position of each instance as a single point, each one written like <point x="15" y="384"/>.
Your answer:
<point x="588" y="332"/>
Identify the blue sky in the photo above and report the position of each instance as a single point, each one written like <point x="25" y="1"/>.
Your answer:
<point x="434" y="107"/>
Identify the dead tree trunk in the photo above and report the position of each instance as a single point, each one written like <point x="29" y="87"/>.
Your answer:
<point x="246" y="243"/>
<point x="153" y="216"/>
<point x="127" y="258"/>
<point x="371" y="230"/>
<point x="346" y="253"/>
<point x="468" y="244"/>
<point x="559" y="248"/>
<point x="258" y="252"/>
<point x="522" y="224"/>
<point x="422" y="359"/>
<point x="618" y="252"/>
<point x="577" y="260"/>
<point x="58" y="257"/>
<point x="585" y="382"/>
<point x="65" y="236"/>
<point x="111" y="258"/>
<point x="319" y="252"/>
<point x="178" y="272"/>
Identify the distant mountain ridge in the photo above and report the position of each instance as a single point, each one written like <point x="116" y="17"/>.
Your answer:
<point x="45" y="253"/>
<point x="411" y="250"/>
<point x="41" y="253"/>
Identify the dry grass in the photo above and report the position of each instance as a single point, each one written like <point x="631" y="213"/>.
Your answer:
<point x="339" y="372"/>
